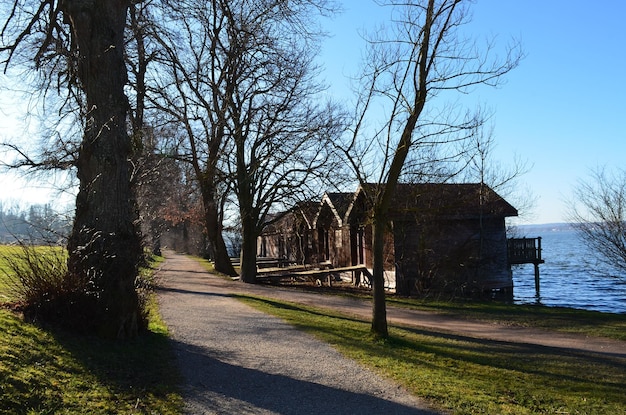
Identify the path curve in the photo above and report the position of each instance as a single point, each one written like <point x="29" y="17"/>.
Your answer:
<point x="237" y="360"/>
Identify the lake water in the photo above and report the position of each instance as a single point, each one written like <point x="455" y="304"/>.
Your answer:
<point x="570" y="277"/>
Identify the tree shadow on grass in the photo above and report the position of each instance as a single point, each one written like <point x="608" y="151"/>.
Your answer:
<point x="571" y="371"/>
<point x="50" y="370"/>
<point x="561" y="367"/>
<point x="140" y="374"/>
<point x="280" y="304"/>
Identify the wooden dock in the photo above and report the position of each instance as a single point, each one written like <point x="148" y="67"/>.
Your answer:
<point x="526" y="251"/>
<point x="315" y="273"/>
<point x="264" y="262"/>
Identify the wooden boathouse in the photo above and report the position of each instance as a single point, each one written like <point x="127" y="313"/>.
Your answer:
<point x="442" y="238"/>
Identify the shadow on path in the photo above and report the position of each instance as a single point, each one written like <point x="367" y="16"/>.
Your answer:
<point x="237" y="360"/>
<point x="220" y="387"/>
<point x="191" y="292"/>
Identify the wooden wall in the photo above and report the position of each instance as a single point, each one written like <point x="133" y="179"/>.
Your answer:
<point x="462" y="257"/>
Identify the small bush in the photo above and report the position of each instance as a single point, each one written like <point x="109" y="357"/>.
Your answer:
<point x="44" y="290"/>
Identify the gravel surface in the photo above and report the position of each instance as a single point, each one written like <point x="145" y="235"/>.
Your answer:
<point x="236" y="360"/>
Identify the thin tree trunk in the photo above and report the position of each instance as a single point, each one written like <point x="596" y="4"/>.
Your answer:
<point x="104" y="245"/>
<point x="383" y="203"/>
<point x="379" y="309"/>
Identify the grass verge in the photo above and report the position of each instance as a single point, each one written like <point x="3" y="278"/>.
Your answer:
<point x="470" y="376"/>
<point x="210" y="267"/>
<point x="55" y="372"/>
<point x="569" y="320"/>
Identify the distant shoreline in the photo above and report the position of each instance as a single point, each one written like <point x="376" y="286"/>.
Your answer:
<point x="547" y="227"/>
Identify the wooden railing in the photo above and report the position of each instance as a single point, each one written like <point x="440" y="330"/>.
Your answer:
<point x="525" y="251"/>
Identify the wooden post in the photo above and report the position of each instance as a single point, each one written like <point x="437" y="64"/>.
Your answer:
<point x="536" y="263"/>
<point x="539" y="248"/>
<point x="526" y="251"/>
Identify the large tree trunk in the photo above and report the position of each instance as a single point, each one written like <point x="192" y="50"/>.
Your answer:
<point x="248" y="250"/>
<point x="104" y="246"/>
<point x="247" y="212"/>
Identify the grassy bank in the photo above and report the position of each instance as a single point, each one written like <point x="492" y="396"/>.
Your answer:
<point x="54" y="372"/>
<point x="470" y="376"/>
<point x="569" y="320"/>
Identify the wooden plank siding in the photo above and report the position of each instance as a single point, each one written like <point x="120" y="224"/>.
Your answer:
<point x="453" y="256"/>
<point x="447" y="238"/>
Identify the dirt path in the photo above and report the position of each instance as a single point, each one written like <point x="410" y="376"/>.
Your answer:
<point x="238" y="360"/>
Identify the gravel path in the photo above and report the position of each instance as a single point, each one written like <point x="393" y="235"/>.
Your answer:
<point x="236" y="360"/>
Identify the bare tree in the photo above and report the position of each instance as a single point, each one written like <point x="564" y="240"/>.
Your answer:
<point x="501" y="177"/>
<point x="598" y="212"/>
<point x="492" y="176"/>
<point x="411" y="68"/>
<point x="191" y="78"/>
<point x="87" y="39"/>
<point x="241" y="83"/>
<point x="155" y="172"/>
<point x="281" y="136"/>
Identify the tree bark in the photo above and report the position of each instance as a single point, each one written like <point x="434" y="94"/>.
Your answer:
<point x="213" y="226"/>
<point x="248" y="250"/>
<point x="379" y="309"/>
<point x="104" y="245"/>
<point x="384" y="198"/>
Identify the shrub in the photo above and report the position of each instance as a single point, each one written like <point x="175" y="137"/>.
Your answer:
<point x="44" y="290"/>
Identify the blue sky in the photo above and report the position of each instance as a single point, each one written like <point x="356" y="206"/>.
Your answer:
<point x="563" y="109"/>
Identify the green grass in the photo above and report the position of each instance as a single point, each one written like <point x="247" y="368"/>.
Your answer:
<point x="49" y="371"/>
<point x="471" y="376"/>
<point x="7" y="292"/>
<point x="590" y="323"/>
<point x="210" y="267"/>
<point x="206" y="264"/>
<point x="567" y="320"/>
